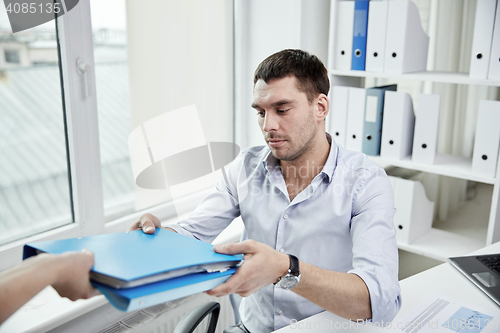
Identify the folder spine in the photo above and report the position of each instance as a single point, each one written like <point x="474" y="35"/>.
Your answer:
<point x="343" y="41"/>
<point x="494" y="70"/>
<point x="406" y="42"/>
<point x="398" y="126"/>
<point x="483" y="34"/>
<point x="360" y="29"/>
<point x="375" y="38"/>
<point x="485" y="155"/>
<point x="338" y="124"/>
<point x="426" y="129"/>
<point x="374" y="112"/>
<point x="355" y="113"/>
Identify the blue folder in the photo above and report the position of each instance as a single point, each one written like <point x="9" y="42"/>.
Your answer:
<point x="374" y="110"/>
<point x="360" y="29"/>
<point x="148" y="267"/>
<point x="136" y="298"/>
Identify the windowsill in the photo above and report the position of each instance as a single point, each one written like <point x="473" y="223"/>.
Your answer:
<point x="47" y="310"/>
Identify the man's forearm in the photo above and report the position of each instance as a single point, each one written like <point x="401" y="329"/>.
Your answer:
<point x="341" y="293"/>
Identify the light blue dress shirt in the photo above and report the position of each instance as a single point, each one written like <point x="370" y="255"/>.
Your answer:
<point x="341" y="222"/>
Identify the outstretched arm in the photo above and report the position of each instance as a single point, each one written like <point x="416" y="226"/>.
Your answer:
<point x="68" y="273"/>
<point x="344" y="294"/>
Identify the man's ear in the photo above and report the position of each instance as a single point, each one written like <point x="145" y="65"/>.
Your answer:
<point x="323" y="106"/>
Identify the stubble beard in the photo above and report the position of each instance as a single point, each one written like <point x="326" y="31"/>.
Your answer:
<point x="307" y="146"/>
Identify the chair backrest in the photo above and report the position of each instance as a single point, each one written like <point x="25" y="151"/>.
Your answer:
<point x="192" y="319"/>
<point x="235" y="299"/>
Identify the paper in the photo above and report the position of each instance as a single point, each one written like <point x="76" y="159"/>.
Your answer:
<point x="438" y="313"/>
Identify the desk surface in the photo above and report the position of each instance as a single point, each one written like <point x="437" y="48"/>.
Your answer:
<point x="443" y="279"/>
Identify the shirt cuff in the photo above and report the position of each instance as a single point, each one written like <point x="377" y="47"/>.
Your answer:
<point x="385" y="304"/>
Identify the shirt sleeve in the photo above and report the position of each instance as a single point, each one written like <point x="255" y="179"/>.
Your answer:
<point x="217" y="210"/>
<point x="375" y="252"/>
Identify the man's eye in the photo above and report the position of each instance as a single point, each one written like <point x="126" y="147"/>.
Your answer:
<point x="282" y="111"/>
<point x="261" y="113"/>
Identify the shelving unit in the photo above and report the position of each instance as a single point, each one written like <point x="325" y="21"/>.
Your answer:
<point x="437" y="243"/>
<point x="433" y="76"/>
<point x="444" y="165"/>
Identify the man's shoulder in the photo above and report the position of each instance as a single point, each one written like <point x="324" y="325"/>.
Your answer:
<point x="357" y="162"/>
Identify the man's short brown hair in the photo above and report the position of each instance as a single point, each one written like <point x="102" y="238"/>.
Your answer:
<point x="311" y="74"/>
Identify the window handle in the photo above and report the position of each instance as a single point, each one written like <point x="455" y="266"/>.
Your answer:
<point x="85" y="71"/>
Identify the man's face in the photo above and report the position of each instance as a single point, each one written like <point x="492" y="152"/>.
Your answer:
<point x="286" y="118"/>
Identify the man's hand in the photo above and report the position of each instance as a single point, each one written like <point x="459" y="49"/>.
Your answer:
<point x="147" y="223"/>
<point x="71" y="275"/>
<point x="263" y="265"/>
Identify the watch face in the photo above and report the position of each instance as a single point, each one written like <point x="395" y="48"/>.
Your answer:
<point x="288" y="281"/>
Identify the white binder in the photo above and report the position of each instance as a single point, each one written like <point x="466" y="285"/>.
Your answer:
<point x="414" y="212"/>
<point x="483" y="34"/>
<point x="406" y="42"/>
<point x="397" y="126"/>
<point x="343" y="40"/>
<point x="338" y="111"/>
<point x="485" y="156"/>
<point x="426" y="129"/>
<point x="355" y="119"/>
<point x="375" y="42"/>
<point x="494" y="69"/>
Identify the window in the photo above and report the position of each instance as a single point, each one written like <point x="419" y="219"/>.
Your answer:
<point x="80" y="92"/>
<point x="34" y="180"/>
<point x="148" y="64"/>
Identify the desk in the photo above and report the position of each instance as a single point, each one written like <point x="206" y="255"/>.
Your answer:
<point x="443" y="279"/>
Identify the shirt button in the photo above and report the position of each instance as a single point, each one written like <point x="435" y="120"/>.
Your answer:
<point x="282" y="250"/>
<point x="285" y="216"/>
<point x="280" y="312"/>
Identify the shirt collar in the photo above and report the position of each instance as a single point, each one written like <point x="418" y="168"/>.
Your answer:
<point x="270" y="162"/>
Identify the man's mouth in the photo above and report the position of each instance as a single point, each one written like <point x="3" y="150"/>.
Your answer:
<point x="276" y="142"/>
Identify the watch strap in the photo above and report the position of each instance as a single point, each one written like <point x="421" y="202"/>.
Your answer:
<point x="292" y="270"/>
<point x="294" y="265"/>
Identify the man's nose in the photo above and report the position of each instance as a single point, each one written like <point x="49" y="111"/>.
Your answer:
<point x="271" y="122"/>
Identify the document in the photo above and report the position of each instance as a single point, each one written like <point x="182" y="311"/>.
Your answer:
<point x="438" y="313"/>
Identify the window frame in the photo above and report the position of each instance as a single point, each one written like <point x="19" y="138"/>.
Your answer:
<point x="76" y="42"/>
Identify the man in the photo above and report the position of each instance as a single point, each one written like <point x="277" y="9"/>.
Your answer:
<point x="301" y="196"/>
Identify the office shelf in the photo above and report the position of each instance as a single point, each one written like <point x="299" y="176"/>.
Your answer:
<point x="433" y="76"/>
<point x="445" y="165"/>
<point x="440" y="245"/>
<point x="477" y="228"/>
<point x="463" y="232"/>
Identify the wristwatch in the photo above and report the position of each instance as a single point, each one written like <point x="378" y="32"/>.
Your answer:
<point x="292" y="278"/>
